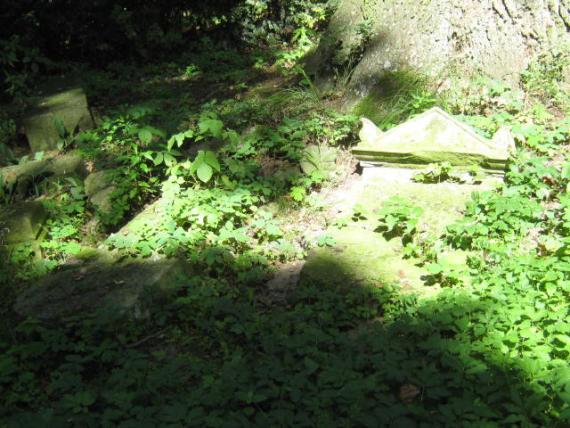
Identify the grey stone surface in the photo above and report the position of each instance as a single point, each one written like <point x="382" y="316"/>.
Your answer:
<point x="283" y="283"/>
<point x="135" y="288"/>
<point x="103" y="200"/>
<point x="97" y="181"/>
<point x="59" y="102"/>
<point x="433" y="136"/>
<point x="21" y="222"/>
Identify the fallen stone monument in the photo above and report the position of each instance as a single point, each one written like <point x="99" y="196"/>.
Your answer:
<point x="431" y="137"/>
<point x="21" y="176"/>
<point x="359" y="254"/>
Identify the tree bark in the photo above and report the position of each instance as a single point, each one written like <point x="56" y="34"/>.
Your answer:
<point x="493" y="38"/>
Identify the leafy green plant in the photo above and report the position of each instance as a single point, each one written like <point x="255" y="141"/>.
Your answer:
<point x="205" y="165"/>
<point x="544" y="76"/>
<point x="326" y="240"/>
<point x="444" y="171"/>
<point x="399" y="217"/>
<point x="192" y="70"/>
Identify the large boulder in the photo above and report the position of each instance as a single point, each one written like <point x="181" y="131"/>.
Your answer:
<point x="369" y="39"/>
<point x="58" y="105"/>
<point x="133" y="288"/>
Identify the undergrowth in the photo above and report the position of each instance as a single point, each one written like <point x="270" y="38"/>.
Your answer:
<point x="491" y="349"/>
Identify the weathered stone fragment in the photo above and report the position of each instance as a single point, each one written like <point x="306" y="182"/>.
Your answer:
<point x="97" y="181"/>
<point x="283" y="283"/>
<point x="134" y="288"/>
<point x="62" y="104"/>
<point x="431" y="137"/>
<point x="103" y="201"/>
<point x="99" y="189"/>
<point x="21" y="222"/>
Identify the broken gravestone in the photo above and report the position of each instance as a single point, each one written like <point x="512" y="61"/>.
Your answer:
<point x="21" y="222"/>
<point x="60" y="107"/>
<point x="432" y="137"/>
<point x="133" y="288"/>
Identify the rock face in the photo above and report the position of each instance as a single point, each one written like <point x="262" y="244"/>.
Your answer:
<point x="133" y="287"/>
<point x="21" y="222"/>
<point x="62" y="104"/>
<point x="433" y="136"/>
<point x="438" y="37"/>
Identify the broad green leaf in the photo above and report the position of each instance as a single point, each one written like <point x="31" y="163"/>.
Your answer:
<point x="204" y="172"/>
<point x="211" y="126"/>
<point x="211" y="159"/>
<point x="158" y="158"/>
<point x="145" y="135"/>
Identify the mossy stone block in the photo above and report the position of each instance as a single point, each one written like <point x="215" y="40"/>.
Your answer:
<point x="69" y="107"/>
<point x="21" y="222"/>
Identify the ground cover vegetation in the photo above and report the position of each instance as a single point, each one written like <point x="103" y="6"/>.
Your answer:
<point x="236" y="142"/>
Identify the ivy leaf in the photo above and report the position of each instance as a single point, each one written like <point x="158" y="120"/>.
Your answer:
<point x="158" y="158"/>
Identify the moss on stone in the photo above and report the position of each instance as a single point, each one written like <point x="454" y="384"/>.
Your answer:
<point x="21" y="222"/>
<point x="361" y="256"/>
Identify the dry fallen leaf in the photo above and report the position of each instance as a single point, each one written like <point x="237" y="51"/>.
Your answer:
<point x="408" y="393"/>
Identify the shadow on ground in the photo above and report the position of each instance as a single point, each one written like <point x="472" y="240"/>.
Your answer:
<point x="346" y="355"/>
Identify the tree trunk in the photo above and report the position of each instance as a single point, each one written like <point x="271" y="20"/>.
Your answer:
<point x="441" y="38"/>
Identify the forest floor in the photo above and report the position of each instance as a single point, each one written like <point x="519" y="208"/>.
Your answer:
<point x="310" y="293"/>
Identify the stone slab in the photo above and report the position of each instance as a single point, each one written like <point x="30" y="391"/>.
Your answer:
<point x="21" y="222"/>
<point x="361" y="255"/>
<point x="68" y="105"/>
<point x="103" y="200"/>
<point x="71" y="163"/>
<point x="431" y="137"/>
<point x="99" y="189"/>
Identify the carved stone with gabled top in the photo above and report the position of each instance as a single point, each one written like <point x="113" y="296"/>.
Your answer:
<point x="433" y="136"/>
